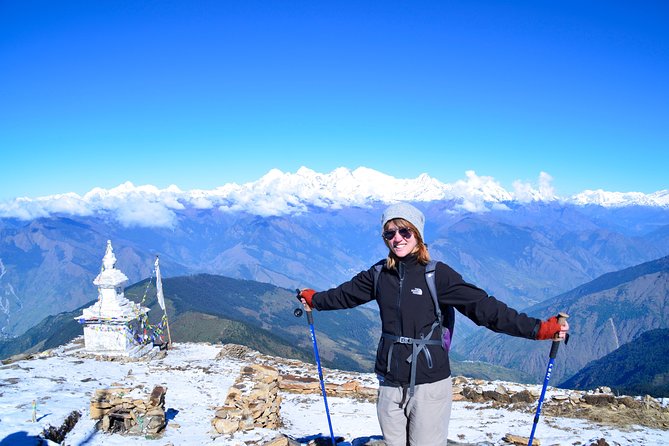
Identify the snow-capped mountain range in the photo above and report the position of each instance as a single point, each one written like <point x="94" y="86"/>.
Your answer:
<point x="279" y="193"/>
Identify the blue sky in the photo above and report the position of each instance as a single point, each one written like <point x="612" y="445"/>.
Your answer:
<point x="203" y="93"/>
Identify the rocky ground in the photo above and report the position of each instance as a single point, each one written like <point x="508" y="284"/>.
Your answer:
<point x="600" y="405"/>
<point x="240" y="393"/>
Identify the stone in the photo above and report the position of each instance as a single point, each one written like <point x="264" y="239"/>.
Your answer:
<point x="521" y="441"/>
<point x="278" y="441"/>
<point x="599" y="399"/>
<point x="153" y="422"/>
<point x="350" y="386"/>
<point x="225" y="426"/>
<point x="96" y="413"/>
<point x="156" y="412"/>
<point x="157" y="396"/>
<point x="524" y="396"/>
<point x="630" y="402"/>
<point x="234" y="351"/>
<point x="281" y="440"/>
<point x="459" y="380"/>
<point x="106" y="423"/>
<point x="128" y="415"/>
<point x="472" y="395"/>
<point x="496" y="396"/>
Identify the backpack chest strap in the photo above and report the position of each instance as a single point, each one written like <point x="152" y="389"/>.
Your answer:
<point x="417" y="346"/>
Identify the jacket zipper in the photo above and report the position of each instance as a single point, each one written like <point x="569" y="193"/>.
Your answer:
<point x="400" y="273"/>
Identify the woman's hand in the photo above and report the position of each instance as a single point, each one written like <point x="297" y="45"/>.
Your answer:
<point x="305" y="295"/>
<point x="553" y="329"/>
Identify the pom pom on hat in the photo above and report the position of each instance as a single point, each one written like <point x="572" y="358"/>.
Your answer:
<point x="407" y="212"/>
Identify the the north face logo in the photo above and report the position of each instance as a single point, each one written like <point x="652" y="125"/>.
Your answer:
<point x="417" y="291"/>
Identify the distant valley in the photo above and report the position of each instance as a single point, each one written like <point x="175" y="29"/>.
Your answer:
<point x="209" y="308"/>
<point x="523" y="254"/>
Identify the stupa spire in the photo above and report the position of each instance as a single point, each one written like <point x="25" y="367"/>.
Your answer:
<point x="109" y="260"/>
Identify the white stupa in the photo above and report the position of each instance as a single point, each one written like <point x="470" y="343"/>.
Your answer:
<point x="111" y="323"/>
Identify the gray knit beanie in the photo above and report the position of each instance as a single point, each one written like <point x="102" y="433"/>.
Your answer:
<point x="407" y="212"/>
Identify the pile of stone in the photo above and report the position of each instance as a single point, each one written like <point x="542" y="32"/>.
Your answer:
<point x="119" y="412"/>
<point x="298" y="377"/>
<point x="599" y="405"/>
<point x="308" y="385"/>
<point x="252" y="401"/>
<point x="136" y="354"/>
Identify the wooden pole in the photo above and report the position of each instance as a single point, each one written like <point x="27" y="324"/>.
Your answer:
<point x="169" y="336"/>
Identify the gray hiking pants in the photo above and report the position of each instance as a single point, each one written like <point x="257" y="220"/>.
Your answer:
<point x="423" y="421"/>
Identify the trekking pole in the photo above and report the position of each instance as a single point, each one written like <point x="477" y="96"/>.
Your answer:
<point x="310" y="319"/>
<point x="562" y="317"/>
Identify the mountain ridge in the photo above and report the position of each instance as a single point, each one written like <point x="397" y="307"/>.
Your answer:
<point x="523" y="254"/>
<point x="282" y="193"/>
<point x="616" y="308"/>
<point x="636" y="368"/>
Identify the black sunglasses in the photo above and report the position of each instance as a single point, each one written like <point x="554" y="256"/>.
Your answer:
<point x="390" y="233"/>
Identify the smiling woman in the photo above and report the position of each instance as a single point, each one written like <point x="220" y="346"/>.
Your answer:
<point x="417" y="298"/>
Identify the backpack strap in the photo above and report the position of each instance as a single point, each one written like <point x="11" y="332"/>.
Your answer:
<point x="377" y="272"/>
<point x="449" y="325"/>
<point x="430" y="269"/>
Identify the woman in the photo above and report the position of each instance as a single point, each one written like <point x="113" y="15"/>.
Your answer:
<point x="415" y="392"/>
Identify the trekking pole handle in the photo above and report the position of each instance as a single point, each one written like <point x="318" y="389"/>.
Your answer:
<point x="307" y="308"/>
<point x="561" y="317"/>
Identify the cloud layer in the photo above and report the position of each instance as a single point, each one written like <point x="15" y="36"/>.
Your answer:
<point x="280" y="193"/>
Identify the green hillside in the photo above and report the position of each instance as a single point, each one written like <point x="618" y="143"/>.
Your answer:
<point x="345" y="338"/>
<point x="49" y="333"/>
<point x="217" y="309"/>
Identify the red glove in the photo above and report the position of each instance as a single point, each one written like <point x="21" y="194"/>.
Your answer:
<point x="307" y="294"/>
<point x="550" y="328"/>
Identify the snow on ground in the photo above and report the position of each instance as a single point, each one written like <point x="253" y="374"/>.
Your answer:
<point x="61" y="382"/>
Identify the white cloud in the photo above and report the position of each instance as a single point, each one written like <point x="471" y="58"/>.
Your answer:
<point x="526" y="192"/>
<point x="139" y="212"/>
<point x="280" y="193"/>
<point x="477" y="191"/>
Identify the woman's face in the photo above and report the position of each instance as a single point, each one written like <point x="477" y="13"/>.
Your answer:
<point x="399" y="245"/>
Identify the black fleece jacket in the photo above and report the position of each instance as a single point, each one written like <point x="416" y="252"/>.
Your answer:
<point x="406" y="309"/>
